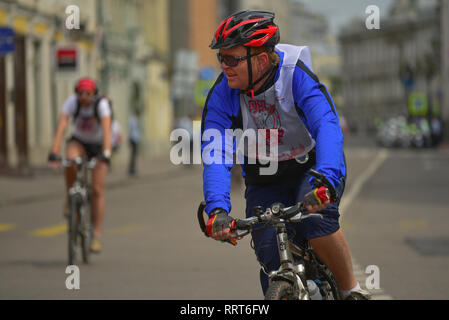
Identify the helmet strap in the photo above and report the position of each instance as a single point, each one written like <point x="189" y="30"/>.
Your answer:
<point x="250" y="90"/>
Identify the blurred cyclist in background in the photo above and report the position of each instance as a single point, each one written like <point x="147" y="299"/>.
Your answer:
<point x="91" y="137"/>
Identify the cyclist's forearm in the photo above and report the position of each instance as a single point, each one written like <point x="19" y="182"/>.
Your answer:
<point x="329" y="154"/>
<point x="217" y="187"/>
<point x="106" y="127"/>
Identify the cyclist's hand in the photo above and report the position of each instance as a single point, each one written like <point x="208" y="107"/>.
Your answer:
<point x="317" y="199"/>
<point x="106" y="157"/>
<point x="54" y="160"/>
<point x="219" y="224"/>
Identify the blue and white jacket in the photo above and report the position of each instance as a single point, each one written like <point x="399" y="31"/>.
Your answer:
<point x="297" y="105"/>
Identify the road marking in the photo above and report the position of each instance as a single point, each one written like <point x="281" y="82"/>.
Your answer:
<point x="50" y="231"/>
<point x="58" y="229"/>
<point x="7" y="226"/>
<point x="357" y="185"/>
<point x="413" y="224"/>
<point x="347" y="199"/>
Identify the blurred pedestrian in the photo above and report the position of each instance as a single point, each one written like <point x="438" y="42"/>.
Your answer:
<point x="134" y="139"/>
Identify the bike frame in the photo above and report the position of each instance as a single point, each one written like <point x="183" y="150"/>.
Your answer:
<point x="81" y="183"/>
<point x="289" y="270"/>
<point x="80" y="196"/>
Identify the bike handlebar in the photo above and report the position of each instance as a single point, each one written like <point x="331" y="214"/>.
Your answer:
<point x="272" y="215"/>
<point x="79" y="161"/>
<point x="276" y="214"/>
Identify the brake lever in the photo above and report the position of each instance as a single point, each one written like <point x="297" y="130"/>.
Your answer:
<point x="300" y="213"/>
<point x="312" y="215"/>
<point x="293" y="211"/>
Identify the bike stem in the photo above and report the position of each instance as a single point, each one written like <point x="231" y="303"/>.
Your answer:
<point x="285" y="254"/>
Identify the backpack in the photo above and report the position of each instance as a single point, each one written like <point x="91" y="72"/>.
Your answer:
<point x="96" y="103"/>
<point x="116" y="135"/>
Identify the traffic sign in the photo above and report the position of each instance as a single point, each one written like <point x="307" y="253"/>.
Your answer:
<point x="202" y="88"/>
<point x="6" y="40"/>
<point x="417" y="104"/>
<point x="67" y="58"/>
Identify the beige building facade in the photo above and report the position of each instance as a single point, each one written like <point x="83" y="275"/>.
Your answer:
<point x="122" y="44"/>
<point x="134" y="55"/>
<point x="281" y="9"/>
<point x="33" y="87"/>
<point x="376" y="63"/>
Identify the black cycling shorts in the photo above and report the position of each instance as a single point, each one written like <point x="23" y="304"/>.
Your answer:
<point x="92" y="149"/>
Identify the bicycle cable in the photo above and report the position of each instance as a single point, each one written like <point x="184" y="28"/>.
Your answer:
<point x="265" y="225"/>
<point x="291" y="233"/>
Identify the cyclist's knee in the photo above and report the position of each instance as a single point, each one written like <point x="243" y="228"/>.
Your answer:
<point x="74" y="149"/>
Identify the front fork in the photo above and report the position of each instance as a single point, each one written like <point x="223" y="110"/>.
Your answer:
<point x="289" y="271"/>
<point x="79" y="194"/>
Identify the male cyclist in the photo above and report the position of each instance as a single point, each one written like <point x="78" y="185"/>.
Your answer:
<point x="265" y="85"/>
<point x="91" y="137"/>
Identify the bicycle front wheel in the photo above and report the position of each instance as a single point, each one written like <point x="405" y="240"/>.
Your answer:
<point x="73" y="229"/>
<point x="86" y="231"/>
<point x="281" y="290"/>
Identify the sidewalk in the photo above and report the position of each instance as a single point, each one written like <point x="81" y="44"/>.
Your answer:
<point x="46" y="184"/>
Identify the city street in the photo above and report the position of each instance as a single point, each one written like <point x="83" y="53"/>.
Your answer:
<point x="399" y="222"/>
<point x="396" y="219"/>
<point x="124" y="80"/>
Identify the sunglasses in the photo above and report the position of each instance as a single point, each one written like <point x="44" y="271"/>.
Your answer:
<point x="232" y="61"/>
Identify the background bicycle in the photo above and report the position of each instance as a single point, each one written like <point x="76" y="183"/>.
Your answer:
<point x="80" y="209"/>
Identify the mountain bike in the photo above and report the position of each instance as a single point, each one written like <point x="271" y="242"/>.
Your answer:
<point x="80" y="230"/>
<point x="301" y="275"/>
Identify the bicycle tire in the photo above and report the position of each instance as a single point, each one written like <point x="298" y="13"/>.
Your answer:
<point x="330" y="278"/>
<point x="72" y="229"/>
<point x="85" y="232"/>
<point x="323" y="273"/>
<point x="280" y="290"/>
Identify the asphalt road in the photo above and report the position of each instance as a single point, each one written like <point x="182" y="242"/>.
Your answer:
<point x="400" y="223"/>
<point x="153" y="248"/>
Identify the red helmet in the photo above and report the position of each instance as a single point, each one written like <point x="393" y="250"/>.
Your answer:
<point x="249" y="28"/>
<point x="87" y="84"/>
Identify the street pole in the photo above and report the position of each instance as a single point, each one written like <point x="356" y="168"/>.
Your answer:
<point x="445" y="65"/>
<point x="104" y="72"/>
<point x="20" y="102"/>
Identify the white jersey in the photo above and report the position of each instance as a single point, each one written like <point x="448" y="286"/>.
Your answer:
<point x="86" y="126"/>
<point x="275" y="109"/>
